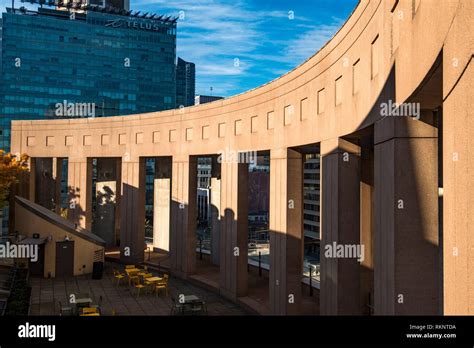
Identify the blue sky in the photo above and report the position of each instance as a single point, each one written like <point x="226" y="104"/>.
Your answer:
<point x="238" y="45"/>
<point x="268" y="37"/>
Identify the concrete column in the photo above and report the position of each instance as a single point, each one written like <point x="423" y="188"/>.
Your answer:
<point x="458" y="187"/>
<point x="215" y="208"/>
<point x="132" y="210"/>
<point x="234" y="230"/>
<point x="80" y="191"/>
<point x="183" y="216"/>
<point x="286" y="231"/>
<point x="340" y="191"/>
<point x="57" y="177"/>
<point x="44" y="182"/>
<point x="406" y="217"/>
<point x="367" y="226"/>
<point x="162" y="204"/>
<point x="32" y="179"/>
<point x="106" y="193"/>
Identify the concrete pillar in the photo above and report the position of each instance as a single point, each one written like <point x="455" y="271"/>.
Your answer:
<point x="367" y="226"/>
<point x="80" y="191"/>
<point x="162" y="204"/>
<point x="215" y="207"/>
<point x="183" y="216"/>
<point x="286" y="231"/>
<point x="406" y="217"/>
<point x="106" y="193"/>
<point x="44" y="182"/>
<point x="132" y="210"/>
<point x="234" y="229"/>
<point x="57" y="172"/>
<point x="340" y="191"/>
<point x="458" y="185"/>
<point x="32" y="179"/>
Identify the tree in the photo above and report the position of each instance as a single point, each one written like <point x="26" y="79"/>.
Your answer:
<point x="11" y="167"/>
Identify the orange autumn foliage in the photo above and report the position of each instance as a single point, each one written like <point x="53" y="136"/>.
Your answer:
<point x="11" y="166"/>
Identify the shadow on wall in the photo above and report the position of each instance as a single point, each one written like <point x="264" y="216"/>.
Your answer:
<point x="405" y="204"/>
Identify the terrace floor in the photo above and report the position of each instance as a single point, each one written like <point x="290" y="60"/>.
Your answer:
<point x="119" y="300"/>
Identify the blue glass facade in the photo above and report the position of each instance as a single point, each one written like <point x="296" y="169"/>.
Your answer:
<point x="115" y="64"/>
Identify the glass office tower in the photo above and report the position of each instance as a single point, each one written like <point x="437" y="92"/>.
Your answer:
<point x="99" y="63"/>
<point x="185" y="83"/>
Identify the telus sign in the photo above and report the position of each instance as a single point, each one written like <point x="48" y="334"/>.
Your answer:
<point x="123" y="23"/>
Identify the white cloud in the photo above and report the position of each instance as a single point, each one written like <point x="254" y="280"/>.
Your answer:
<point x="311" y="41"/>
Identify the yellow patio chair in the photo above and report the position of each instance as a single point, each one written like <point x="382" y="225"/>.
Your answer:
<point x="89" y="310"/>
<point x="138" y="286"/>
<point x="132" y="278"/>
<point x="118" y="276"/>
<point x="162" y="284"/>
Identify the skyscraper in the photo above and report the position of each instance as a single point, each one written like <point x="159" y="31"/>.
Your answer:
<point x="101" y="62"/>
<point x="204" y="99"/>
<point x="185" y="83"/>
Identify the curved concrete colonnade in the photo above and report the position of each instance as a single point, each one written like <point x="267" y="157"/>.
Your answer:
<point x="380" y="175"/>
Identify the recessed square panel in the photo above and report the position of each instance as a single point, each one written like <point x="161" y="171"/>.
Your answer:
<point x="288" y="114"/>
<point x="206" y="132"/>
<point x="139" y="138"/>
<point x="173" y="135"/>
<point x="356" y="77"/>
<point x="30" y="141"/>
<point x="50" y="141"/>
<point x="87" y="140"/>
<point x="69" y="140"/>
<point x="122" y="139"/>
<point x="238" y="127"/>
<point x="189" y="134"/>
<point x="221" y="130"/>
<point x="338" y="91"/>
<point x="156" y="137"/>
<point x="105" y="139"/>
<point x="304" y="109"/>
<point x="253" y="124"/>
<point x="271" y="120"/>
<point x="321" y="101"/>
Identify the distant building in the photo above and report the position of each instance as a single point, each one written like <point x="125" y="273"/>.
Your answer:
<point x="185" y="83"/>
<point x="311" y="219"/>
<point x="203" y="99"/>
<point x="118" y="4"/>
<point x="100" y="63"/>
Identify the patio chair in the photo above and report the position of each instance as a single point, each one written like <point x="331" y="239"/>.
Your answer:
<point x="63" y="311"/>
<point x="89" y="310"/>
<point x="176" y="307"/>
<point x="132" y="278"/>
<point x="119" y="276"/>
<point x="129" y="266"/>
<point x="97" y="306"/>
<point x="198" y="308"/>
<point x="163" y="284"/>
<point x="138" y="286"/>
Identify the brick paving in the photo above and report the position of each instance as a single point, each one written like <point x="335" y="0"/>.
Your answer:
<point x="119" y="300"/>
